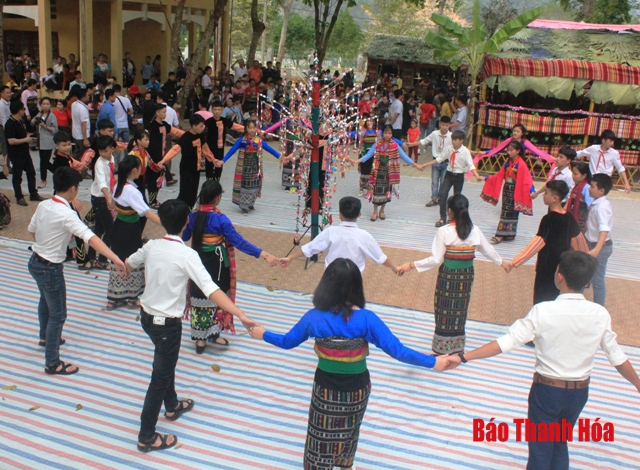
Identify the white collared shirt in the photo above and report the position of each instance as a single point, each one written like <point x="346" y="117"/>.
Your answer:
<point x="168" y="266"/>
<point x="121" y="106"/>
<point x="447" y="236"/>
<point x="172" y="116"/>
<point x="463" y="163"/>
<point x="567" y="333"/>
<point x="564" y="175"/>
<point x="611" y="160"/>
<point x="53" y="224"/>
<point x="5" y="113"/>
<point x="80" y="114"/>
<point x="600" y="219"/>
<point x="438" y="142"/>
<point x="132" y="197"/>
<point x="345" y="241"/>
<point x="101" y="177"/>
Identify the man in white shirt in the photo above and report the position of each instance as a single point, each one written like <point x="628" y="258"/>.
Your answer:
<point x="462" y="116"/>
<point x="168" y="265"/>
<point x="344" y="241"/>
<point x="561" y="172"/>
<point x="123" y="110"/>
<point x="598" y="232"/>
<point x="52" y="226"/>
<point x="172" y="116"/>
<point x="395" y="114"/>
<point x="438" y="140"/>
<point x="603" y="158"/>
<point x="80" y="123"/>
<point x="239" y="69"/>
<point x="567" y="333"/>
<point x="459" y="162"/>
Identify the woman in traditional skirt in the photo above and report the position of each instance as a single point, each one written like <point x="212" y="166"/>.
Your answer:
<point x="516" y="192"/>
<point x="247" y="181"/>
<point x="138" y="148"/>
<point x="289" y="178"/>
<point x="369" y="137"/>
<point x="454" y="249"/>
<point x="385" y="174"/>
<point x="215" y="239"/>
<point x="342" y="329"/>
<point x="126" y="237"/>
<point x="579" y="198"/>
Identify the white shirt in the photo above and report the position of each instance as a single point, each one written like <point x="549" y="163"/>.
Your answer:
<point x="438" y="141"/>
<point x="172" y="116"/>
<point x="132" y="197"/>
<point x="168" y="266"/>
<point x="564" y="175"/>
<point x="611" y="160"/>
<point x="396" y="108"/>
<point x="102" y="177"/>
<point x="239" y="72"/>
<point x="463" y="161"/>
<point x="79" y="114"/>
<point x="53" y="224"/>
<point x="206" y="82"/>
<point x="447" y="236"/>
<point x="567" y="333"/>
<point x="346" y="241"/>
<point x="5" y="112"/>
<point x="122" y="105"/>
<point x="600" y="219"/>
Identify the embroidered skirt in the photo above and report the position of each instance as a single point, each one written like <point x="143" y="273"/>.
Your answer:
<point x="126" y="239"/>
<point x="365" y="171"/>
<point x="338" y="405"/>
<point x="508" y="225"/>
<point x="289" y="178"/>
<point x="451" y="303"/>
<point x="250" y="185"/>
<point x="206" y="316"/>
<point x="381" y="189"/>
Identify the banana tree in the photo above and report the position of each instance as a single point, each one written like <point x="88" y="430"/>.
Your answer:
<point x="470" y="45"/>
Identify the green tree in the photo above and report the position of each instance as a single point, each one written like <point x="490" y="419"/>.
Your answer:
<point x="300" y="37"/>
<point x="600" y="11"/>
<point x="347" y="38"/>
<point x="497" y="13"/>
<point x="470" y="45"/>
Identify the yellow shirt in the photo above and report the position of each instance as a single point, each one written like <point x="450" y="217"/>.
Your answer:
<point x="446" y="110"/>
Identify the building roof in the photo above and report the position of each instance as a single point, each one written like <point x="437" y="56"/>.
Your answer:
<point x="400" y="48"/>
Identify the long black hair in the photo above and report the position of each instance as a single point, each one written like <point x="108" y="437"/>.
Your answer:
<point x="138" y="135"/>
<point x="518" y="146"/>
<point x="340" y="288"/>
<point x="459" y="205"/>
<point x="125" y="167"/>
<point x="211" y="189"/>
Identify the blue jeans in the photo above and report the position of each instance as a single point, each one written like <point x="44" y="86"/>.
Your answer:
<point x="123" y="134"/>
<point x="549" y="404"/>
<point x="52" y="308"/>
<point x="598" y="280"/>
<point x="437" y="175"/>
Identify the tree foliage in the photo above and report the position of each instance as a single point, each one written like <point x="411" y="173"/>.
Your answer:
<point x="300" y="38"/>
<point x="497" y="13"/>
<point x="347" y="38"/>
<point x="600" y="11"/>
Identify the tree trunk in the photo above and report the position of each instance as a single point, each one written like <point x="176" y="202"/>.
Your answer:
<point x="201" y="49"/>
<point x="258" y="28"/>
<point x="176" y="29"/>
<point x="472" y="99"/>
<point x="323" y="34"/>
<point x="286" y="11"/>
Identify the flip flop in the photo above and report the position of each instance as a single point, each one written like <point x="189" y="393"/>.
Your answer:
<point x="180" y="411"/>
<point x="382" y="217"/>
<point x="495" y="241"/>
<point x="52" y="370"/>
<point x="440" y="223"/>
<point x="374" y="218"/>
<point x="225" y="344"/>
<point x="149" y="447"/>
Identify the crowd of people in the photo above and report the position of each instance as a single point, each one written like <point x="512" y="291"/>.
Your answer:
<point x="166" y="280"/>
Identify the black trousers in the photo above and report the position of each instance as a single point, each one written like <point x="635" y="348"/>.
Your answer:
<point x="19" y="165"/>
<point x="450" y="179"/>
<point x="45" y="159"/>
<point x="162" y="388"/>
<point x="189" y="185"/>
<point x="213" y="172"/>
<point x="104" y="225"/>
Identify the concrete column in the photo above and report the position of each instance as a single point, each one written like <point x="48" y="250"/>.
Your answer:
<point x="86" y="39"/>
<point x="226" y="36"/>
<point x="44" y="35"/>
<point x="192" y="28"/>
<point x="116" y="54"/>
<point x="166" y="46"/>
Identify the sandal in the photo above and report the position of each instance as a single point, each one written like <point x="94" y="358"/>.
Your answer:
<point x="431" y="204"/>
<point x="114" y="305"/>
<point x="440" y="223"/>
<point x="374" y="218"/>
<point x="43" y="343"/>
<point x="53" y="370"/>
<point x="382" y="216"/>
<point x="496" y="240"/>
<point x="200" y="348"/>
<point x="101" y="265"/>
<point x="225" y="343"/>
<point x="149" y="447"/>
<point x="84" y="267"/>
<point x="132" y="304"/>
<point x="180" y="411"/>
<point x="156" y="205"/>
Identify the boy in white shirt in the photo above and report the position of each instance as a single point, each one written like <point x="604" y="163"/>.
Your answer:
<point x="460" y="161"/>
<point x="598" y="232"/>
<point x="52" y="226"/>
<point x="104" y="181"/>
<point x="168" y="265"/>
<point x="344" y="241"/>
<point x="562" y="171"/>
<point x="603" y="158"/>
<point x="439" y="140"/>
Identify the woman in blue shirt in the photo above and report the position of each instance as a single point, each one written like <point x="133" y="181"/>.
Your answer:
<point x="215" y="239"/>
<point x="342" y="329"/>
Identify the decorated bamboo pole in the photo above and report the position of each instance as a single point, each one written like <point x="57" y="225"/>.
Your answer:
<point x="314" y="174"/>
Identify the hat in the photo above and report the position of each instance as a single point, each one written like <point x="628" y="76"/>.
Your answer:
<point x="134" y="90"/>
